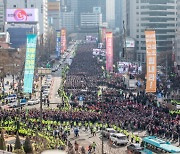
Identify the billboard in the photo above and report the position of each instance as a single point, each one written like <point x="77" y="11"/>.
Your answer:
<point x="150" y="61"/>
<point x="58" y="43"/>
<point x="22" y="15"/>
<point x="30" y="62"/>
<point x="130" y="43"/>
<point x="63" y="40"/>
<point x="109" y="51"/>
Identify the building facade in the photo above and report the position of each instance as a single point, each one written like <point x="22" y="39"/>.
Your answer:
<point x="177" y="40"/>
<point x="91" y="20"/>
<point x="54" y="14"/>
<point x="110" y="13"/>
<point x="1" y="15"/>
<point x="67" y="21"/>
<point x="158" y="15"/>
<point x="41" y="5"/>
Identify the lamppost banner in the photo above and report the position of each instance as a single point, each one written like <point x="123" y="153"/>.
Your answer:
<point x="109" y="51"/>
<point x="58" y="43"/>
<point x="30" y="62"/>
<point x="63" y="40"/>
<point x="150" y="61"/>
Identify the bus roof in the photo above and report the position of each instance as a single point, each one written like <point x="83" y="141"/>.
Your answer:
<point x="153" y="140"/>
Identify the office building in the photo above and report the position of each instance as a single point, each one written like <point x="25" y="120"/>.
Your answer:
<point x="177" y="41"/>
<point x="91" y="20"/>
<point x="54" y="14"/>
<point x="67" y="21"/>
<point x="1" y="15"/>
<point x="40" y="5"/>
<point x="86" y="6"/>
<point x="110" y="13"/>
<point x="159" y="15"/>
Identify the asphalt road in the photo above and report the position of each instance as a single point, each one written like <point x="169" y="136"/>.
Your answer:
<point x="85" y="139"/>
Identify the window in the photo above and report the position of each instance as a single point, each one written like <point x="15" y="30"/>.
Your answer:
<point x="14" y="6"/>
<point x="32" y="5"/>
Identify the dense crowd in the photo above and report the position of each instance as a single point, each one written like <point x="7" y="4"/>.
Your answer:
<point x="114" y="106"/>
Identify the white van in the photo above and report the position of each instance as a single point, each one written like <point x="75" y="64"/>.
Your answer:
<point x="106" y="133"/>
<point x="118" y="138"/>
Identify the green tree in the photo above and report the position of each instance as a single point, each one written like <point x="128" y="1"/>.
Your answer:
<point x="28" y="146"/>
<point x="2" y="141"/>
<point x="17" y="142"/>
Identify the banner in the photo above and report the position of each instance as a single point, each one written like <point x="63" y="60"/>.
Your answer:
<point x="58" y="43"/>
<point x="63" y="40"/>
<point x="30" y="62"/>
<point x="22" y="15"/>
<point x="109" y="51"/>
<point x="150" y="61"/>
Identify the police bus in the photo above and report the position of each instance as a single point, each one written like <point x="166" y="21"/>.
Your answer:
<point x="156" y="145"/>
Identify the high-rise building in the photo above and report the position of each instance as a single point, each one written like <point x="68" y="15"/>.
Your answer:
<point x="54" y="14"/>
<point x="159" y="15"/>
<point x="177" y="40"/>
<point x="1" y="15"/>
<point x="67" y="21"/>
<point x="42" y="7"/>
<point x="110" y="13"/>
<point x="118" y="13"/>
<point x="91" y="20"/>
<point x="86" y="6"/>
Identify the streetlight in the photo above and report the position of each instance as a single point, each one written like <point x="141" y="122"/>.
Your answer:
<point x="42" y="72"/>
<point x="102" y="89"/>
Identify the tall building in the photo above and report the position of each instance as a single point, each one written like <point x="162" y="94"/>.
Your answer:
<point x="177" y="40"/>
<point x="86" y="6"/>
<point x="1" y="15"/>
<point x="54" y="14"/>
<point x="118" y="13"/>
<point x="159" y="15"/>
<point x="42" y="7"/>
<point x="91" y="20"/>
<point x="67" y="21"/>
<point x="110" y="13"/>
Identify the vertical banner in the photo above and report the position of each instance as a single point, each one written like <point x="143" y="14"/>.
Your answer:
<point x="150" y="61"/>
<point x="30" y="63"/>
<point x="109" y="51"/>
<point x="103" y="37"/>
<point x="63" y="40"/>
<point x="58" y="43"/>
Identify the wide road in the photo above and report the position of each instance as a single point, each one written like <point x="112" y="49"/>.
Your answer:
<point x="85" y="139"/>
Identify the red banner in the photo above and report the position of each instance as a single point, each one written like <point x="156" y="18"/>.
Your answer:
<point x="63" y="40"/>
<point x="150" y="61"/>
<point x="109" y="51"/>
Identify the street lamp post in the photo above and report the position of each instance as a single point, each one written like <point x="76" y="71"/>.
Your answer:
<point x="102" y="88"/>
<point x="42" y="72"/>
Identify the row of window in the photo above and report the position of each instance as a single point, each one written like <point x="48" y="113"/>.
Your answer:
<point x="157" y="19"/>
<point x="15" y="6"/>
<point x="157" y="7"/>
<point x="157" y="1"/>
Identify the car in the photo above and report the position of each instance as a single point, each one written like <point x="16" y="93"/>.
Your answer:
<point x="33" y="102"/>
<point x="118" y="138"/>
<point x="134" y="149"/>
<point x="11" y="97"/>
<point x="107" y="131"/>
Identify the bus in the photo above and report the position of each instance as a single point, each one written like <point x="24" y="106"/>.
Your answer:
<point x="157" y="145"/>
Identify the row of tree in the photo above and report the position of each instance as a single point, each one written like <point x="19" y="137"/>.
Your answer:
<point x="18" y="148"/>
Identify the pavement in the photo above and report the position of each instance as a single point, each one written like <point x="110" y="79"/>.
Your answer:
<point x="85" y="139"/>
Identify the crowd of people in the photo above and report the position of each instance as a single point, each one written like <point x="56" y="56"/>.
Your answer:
<point x="114" y="106"/>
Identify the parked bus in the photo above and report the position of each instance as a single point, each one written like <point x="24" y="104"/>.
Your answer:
<point x="157" y="145"/>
